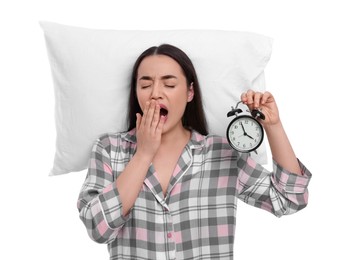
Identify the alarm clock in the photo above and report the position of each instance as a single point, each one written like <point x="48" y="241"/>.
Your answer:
<point x="245" y="133"/>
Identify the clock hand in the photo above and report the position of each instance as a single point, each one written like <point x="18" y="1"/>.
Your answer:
<point x="242" y="127"/>
<point x="249" y="136"/>
<point x="245" y="133"/>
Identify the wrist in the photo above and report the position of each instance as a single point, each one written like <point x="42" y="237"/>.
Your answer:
<point x="142" y="157"/>
<point x="273" y="128"/>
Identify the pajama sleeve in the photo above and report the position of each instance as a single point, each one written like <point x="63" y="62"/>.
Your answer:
<point x="99" y="206"/>
<point x="279" y="192"/>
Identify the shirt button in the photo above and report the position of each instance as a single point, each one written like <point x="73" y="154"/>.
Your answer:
<point x="169" y="235"/>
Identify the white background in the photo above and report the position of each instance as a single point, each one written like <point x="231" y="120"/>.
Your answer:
<point x="310" y="74"/>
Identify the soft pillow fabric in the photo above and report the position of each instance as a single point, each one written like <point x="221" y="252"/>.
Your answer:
<point x="91" y="71"/>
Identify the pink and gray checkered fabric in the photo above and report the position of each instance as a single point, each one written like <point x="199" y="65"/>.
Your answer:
<point x="197" y="216"/>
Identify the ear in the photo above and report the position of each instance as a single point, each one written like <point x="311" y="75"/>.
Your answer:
<point x="191" y="92"/>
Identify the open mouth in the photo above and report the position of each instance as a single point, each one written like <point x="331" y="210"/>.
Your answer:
<point x="163" y="111"/>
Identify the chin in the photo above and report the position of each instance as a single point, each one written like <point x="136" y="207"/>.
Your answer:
<point x="165" y="130"/>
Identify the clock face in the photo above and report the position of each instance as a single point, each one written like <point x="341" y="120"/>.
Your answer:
<point x="245" y="134"/>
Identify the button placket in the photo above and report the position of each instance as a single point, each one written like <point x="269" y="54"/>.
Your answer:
<point x="170" y="237"/>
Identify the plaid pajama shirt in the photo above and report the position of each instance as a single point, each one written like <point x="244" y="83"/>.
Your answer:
<point x="196" y="218"/>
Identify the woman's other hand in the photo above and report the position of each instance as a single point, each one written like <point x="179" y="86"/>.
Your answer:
<point x="265" y="102"/>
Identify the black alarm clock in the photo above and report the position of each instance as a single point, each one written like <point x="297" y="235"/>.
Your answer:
<point x="245" y="133"/>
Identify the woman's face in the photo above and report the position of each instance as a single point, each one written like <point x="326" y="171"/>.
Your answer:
<point x="161" y="78"/>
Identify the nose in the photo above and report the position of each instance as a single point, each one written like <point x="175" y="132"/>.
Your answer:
<point x="156" y="91"/>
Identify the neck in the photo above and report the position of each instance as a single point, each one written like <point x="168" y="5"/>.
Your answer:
<point x="179" y="134"/>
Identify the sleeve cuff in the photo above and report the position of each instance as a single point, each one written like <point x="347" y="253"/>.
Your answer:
<point x="288" y="182"/>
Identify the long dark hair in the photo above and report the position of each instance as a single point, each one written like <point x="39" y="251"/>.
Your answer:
<point x="194" y="116"/>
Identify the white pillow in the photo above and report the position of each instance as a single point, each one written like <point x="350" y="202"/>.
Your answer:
<point x="91" y="71"/>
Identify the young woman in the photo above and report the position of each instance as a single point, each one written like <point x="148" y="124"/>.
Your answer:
<point x="165" y="189"/>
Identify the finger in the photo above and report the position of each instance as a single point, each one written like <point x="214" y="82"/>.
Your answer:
<point x="267" y="96"/>
<point x="138" y="120"/>
<point x="160" y="125"/>
<point x="250" y="96"/>
<point x="257" y="98"/>
<point x="247" y="99"/>
<point x="150" y="113"/>
<point x="145" y="112"/>
<point x="156" y="115"/>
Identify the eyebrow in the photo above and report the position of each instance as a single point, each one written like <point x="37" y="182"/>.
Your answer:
<point x="163" y="77"/>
